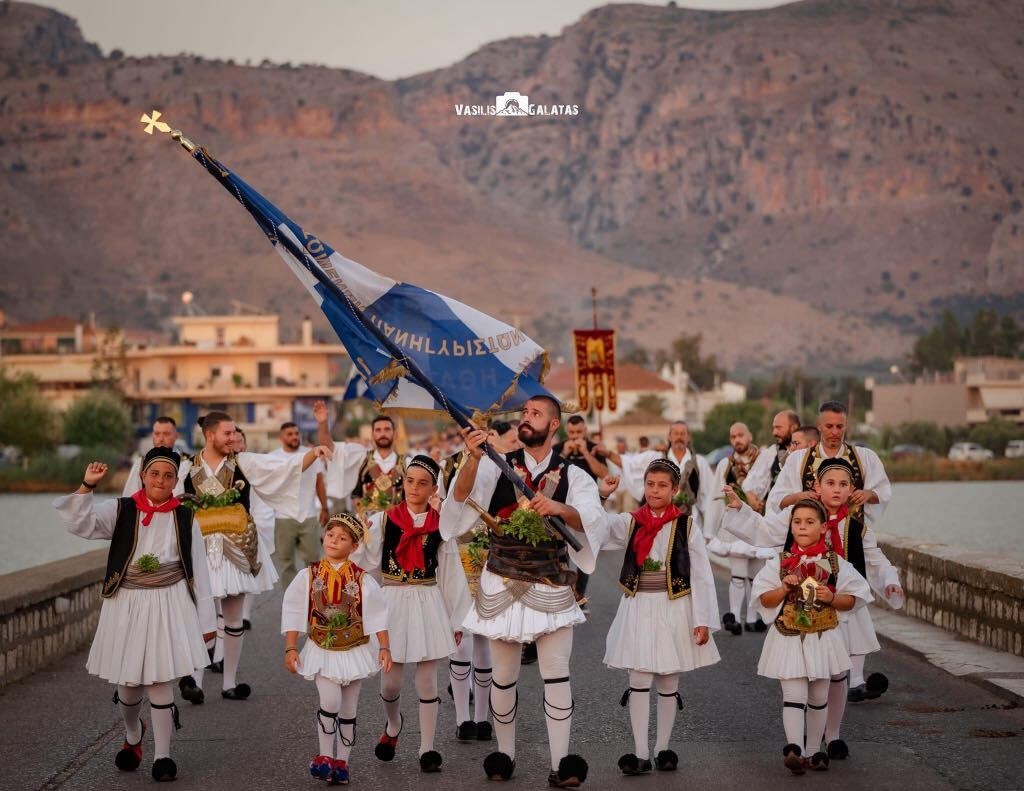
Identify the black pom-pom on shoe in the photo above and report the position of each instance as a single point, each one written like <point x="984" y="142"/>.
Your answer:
<point x="129" y="756"/>
<point x="246" y="624"/>
<point x="216" y="667"/>
<point x="731" y="625"/>
<point x="572" y="772"/>
<point x="759" y="625"/>
<point x="190" y="691"/>
<point x="498" y="766"/>
<point x="466" y="732"/>
<point x="484" y="732"/>
<point x="819" y="762"/>
<point x="239" y="692"/>
<point x="164" y="769"/>
<point x="430" y="761"/>
<point x="666" y="761"/>
<point x="876" y="686"/>
<point x="792" y="759"/>
<point x="629" y="764"/>
<point x="838" y="750"/>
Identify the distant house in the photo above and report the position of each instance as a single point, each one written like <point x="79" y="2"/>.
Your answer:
<point x="975" y="391"/>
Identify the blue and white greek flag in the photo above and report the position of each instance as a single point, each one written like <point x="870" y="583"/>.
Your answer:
<point x="355" y="387"/>
<point x="479" y="364"/>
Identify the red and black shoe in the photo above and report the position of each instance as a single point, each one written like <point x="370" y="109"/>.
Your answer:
<point x="386" y="744"/>
<point x="129" y="757"/>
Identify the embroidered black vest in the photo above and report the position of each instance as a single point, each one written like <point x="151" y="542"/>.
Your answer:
<point x="367" y="476"/>
<point x="390" y="569"/>
<point x="811" y="461"/>
<point x="690" y="476"/>
<point x="546" y="563"/>
<point x="853" y="543"/>
<point x="777" y="463"/>
<point x="230" y="475"/>
<point x="125" y="538"/>
<point x="676" y="568"/>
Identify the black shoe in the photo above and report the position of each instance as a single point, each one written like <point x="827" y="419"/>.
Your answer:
<point x="239" y="692"/>
<point x="529" y="655"/>
<point x="129" y="756"/>
<point x="466" y="732"/>
<point x="572" y="772"/>
<point x="819" y="762"/>
<point x="666" y="761"/>
<point x="629" y="764"/>
<point x="387" y="744"/>
<point x="877" y="684"/>
<point x="430" y="761"/>
<point x="246" y="624"/>
<point x="498" y="766"/>
<point x="483" y="731"/>
<point x="216" y="667"/>
<point x="190" y="691"/>
<point x="759" y="625"/>
<point x="792" y="759"/>
<point x="838" y="750"/>
<point x="731" y="625"/>
<point x="748" y="627"/>
<point x="856" y="694"/>
<point x="164" y="769"/>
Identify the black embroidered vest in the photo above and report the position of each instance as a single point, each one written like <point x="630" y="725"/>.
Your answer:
<point x="390" y="568"/>
<point x="230" y="475"/>
<point x="546" y="563"/>
<point x="811" y="461"/>
<point x="676" y="568"/>
<point x="777" y="463"/>
<point x="853" y="543"/>
<point x="126" y="534"/>
<point x="369" y="472"/>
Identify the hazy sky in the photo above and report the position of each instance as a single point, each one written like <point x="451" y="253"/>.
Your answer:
<point x="387" y="38"/>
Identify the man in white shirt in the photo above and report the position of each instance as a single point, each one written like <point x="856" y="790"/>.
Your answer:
<point x="299" y="538"/>
<point x="165" y="434"/>
<point x="368" y="476"/>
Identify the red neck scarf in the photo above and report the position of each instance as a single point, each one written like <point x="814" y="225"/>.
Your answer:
<point x="144" y="505"/>
<point x="832" y="529"/>
<point x="648" y="526"/>
<point x="409" y="552"/>
<point x="799" y="555"/>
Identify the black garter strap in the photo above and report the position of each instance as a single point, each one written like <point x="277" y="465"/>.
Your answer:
<point x="331" y="717"/>
<point x="234" y="631"/>
<point x="787" y="705"/>
<point x="461" y="675"/>
<point x="117" y="699"/>
<point x="341" y="736"/>
<point x="676" y="695"/>
<point x="841" y="679"/>
<point x="174" y="712"/>
<point x="431" y="700"/>
<point x="479" y="671"/>
<point x="391" y="700"/>
<point x="818" y="708"/>
<point x="511" y="713"/>
<point x="570" y="708"/>
<point x="625" y="695"/>
<point x="741" y="579"/>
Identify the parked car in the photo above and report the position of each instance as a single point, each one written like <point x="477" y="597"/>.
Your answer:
<point x="1015" y="449"/>
<point x="969" y="451"/>
<point x="909" y="452"/>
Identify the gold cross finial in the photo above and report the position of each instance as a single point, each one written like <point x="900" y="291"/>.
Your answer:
<point x="152" y="121"/>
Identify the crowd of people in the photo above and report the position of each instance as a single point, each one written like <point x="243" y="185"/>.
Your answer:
<point x="391" y="560"/>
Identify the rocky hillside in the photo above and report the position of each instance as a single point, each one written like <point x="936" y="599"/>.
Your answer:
<point x="744" y="175"/>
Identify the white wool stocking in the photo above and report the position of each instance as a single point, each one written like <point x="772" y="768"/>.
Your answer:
<point x="553" y="652"/>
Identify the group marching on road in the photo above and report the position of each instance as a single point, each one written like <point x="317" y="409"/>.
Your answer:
<point x="442" y="559"/>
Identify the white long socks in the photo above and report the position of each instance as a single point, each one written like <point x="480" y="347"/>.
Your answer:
<point x="553" y="652"/>
<point x="669" y="704"/>
<point x="163" y="712"/>
<point x="504" y="698"/>
<point x="232" y="607"/>
<point x="426" y="689"/>
<point x="471" y="665"/>
<point x="130" y="700"/>
<point x="640" y="711"/>
<point x="799" y="696"/>
<point x="836" y="705"/>
<point x="857" y="669"/>
<point x="817" y="712"/>
<point x="336" y="734"/>
<point x="794" y="704"/>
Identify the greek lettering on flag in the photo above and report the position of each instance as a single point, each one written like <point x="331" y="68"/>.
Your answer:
<point x="480" y="364"/>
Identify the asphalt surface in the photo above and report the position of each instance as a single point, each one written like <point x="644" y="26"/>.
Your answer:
<point x="930" y="731"/>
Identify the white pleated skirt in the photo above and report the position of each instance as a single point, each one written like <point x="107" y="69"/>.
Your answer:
<point x="654" y="634"/>
<point x="518" y="623"/>
<point x="226" y="579"/>
<point x="858" y="632"/>
<point x="817" y="656"/>
<point x="341" y="667"/>
<point x="148" y="636"/>
<point x="419" y="628"/>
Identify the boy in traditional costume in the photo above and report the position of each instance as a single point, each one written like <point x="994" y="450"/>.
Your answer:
<point x="343" y="614"/>
<point x="157" y="609"/>
<point x="667" y="611"/>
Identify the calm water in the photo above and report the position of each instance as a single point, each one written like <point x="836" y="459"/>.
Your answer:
<point x="986" y="517"/>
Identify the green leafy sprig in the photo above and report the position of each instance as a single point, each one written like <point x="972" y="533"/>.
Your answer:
<point x="200" y="501"/>
<point x="527" y="526"/>
<point x="148" y="563"/>
<point x="651" y="565"/>
<point x="682" y="498"/>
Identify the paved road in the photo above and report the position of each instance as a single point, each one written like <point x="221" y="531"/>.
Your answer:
<point x="931" y="731"/>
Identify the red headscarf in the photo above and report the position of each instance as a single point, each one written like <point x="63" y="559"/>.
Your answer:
<point x="832" y="529"/>
<point x="409" y="552"/>
<point x="648" y="526"/>
<point x="144" y="505"/>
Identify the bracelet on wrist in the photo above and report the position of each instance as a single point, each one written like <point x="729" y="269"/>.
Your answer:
<point x="290" y="648"/>
<point x="88" y="485"/>
<point x="386" y="649"/>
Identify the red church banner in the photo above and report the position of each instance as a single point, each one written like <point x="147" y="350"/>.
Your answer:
<point x="595" y="368"/>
